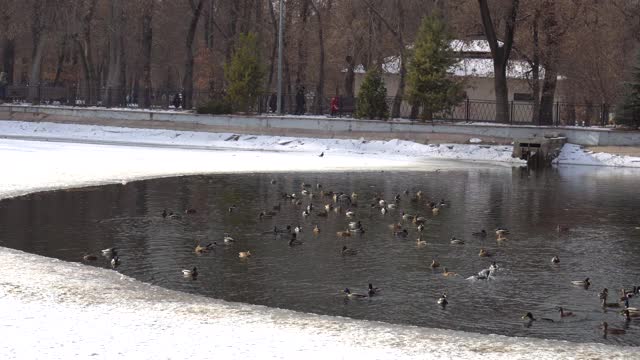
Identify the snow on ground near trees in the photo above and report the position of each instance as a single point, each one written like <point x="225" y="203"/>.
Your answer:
<point x="575" y="155"/>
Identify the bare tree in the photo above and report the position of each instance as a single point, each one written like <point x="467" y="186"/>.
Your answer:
<point x="500" y="52"/>
<point x="187" y="82"/>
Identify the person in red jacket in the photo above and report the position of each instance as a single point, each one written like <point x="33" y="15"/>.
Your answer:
<point x="335" y="101"/>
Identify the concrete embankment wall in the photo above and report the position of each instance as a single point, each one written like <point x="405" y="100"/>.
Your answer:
<point x="338" y="127"/>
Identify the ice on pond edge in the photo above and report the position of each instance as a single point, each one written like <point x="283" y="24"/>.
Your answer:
<point x="80" y="311"/>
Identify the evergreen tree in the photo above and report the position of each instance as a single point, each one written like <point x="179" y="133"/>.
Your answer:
<point x="372" y="98"/>
<point x="429" y="84"/>
<point x="628" y="112"/>
<point x="244" y="73"/>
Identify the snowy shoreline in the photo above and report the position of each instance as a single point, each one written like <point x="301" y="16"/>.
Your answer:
<point x="78" y="311"/>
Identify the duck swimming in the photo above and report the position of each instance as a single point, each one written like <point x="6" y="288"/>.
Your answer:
<point x="421" y="242"/>
<point x="193" y="273"/>
<point x="345" y="233"/>
<point x="294" y="242"/>
<point x="584" y="283"/>
<point x="110" y="252"/>
<point x="401" y="234"/>
<point x="115" y="262"/>
<point x="613" y="331"/>
<point x="228" y="239"/>
<point x="442" y="301"/>
<point x="89" y="257"/>
<point x="455" y="241"/>
<point x="316" y="229"/>
<point x="529" y="316"/>
<point x="372" y="290"/>
<point x="244" y="254"/>
<point x="555" y="260"/>
<point x="434" y="264"/>
<point x="354" y="295"/>
<point x="348" y="252"/>
<point x="484" y="253"/>
<point x="564" y="313"/>
<point x="447" y="273"/>
<point x="481" y="233"/>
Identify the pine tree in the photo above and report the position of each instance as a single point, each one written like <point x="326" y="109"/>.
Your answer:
<point x="628" y="112"/>
<point x="244" y="73"/>
<point x="372" y="97"/>
<point x="429" y="84"/>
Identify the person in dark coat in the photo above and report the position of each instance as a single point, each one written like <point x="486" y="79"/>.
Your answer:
<point x="273" y="102"/>
<point x="177" y="101"/>
<point x="3" y="85"/>
<point x="300" y="101"/>
<point x="335" y="105"/>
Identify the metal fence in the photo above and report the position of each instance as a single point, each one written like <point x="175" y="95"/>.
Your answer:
<point x="520" y="112"/>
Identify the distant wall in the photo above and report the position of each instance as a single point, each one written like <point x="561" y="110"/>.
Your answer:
<point x="580" y="136"/>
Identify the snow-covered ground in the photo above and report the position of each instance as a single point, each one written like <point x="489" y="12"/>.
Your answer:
<point x="575" y="155"/>
<point x="50" y="309"/>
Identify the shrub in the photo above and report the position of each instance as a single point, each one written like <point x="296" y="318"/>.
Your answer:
<point x="216" y="106"/>
<point x="372" y="98"/>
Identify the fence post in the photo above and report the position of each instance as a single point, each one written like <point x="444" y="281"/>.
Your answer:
<point x="557" y="114"/>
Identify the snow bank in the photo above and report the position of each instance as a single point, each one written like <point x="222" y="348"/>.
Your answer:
<point x="58" y="310"/>
<point x="576" y="155"/>
<point x="114" y="135"/>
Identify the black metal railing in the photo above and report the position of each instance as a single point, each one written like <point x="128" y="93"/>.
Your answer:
<point x="520" y="112"/>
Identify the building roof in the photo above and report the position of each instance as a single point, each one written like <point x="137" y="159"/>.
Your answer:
<point x="476" y="61"/>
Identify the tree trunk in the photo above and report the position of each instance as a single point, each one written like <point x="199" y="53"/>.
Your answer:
<point x="274" y="48"/>
<point x="550" y="64"/>
<point x="535" y="69"/>
<point x="37" y="52"/>
<point x="8" y="58"/>
<point x="548" y="94"/>
<point x="147" y="40"/>
<point x="36" y="70"/>
<point x="115" y="70"/>
<point x="500" y="54"/>
<point x="350" y="78"/>
<point x="302" y="49"/>
<point x="502" y="92"/>
<point x="187" y="82"/>
<point x="60" y="61"/>
<point x="319" y="99"/>
<point x="397" y="101"/>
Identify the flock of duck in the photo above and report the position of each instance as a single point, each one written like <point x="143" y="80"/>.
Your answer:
<point x="346" y="205"/>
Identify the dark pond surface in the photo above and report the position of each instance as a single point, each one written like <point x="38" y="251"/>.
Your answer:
<point x="603" y="243"/>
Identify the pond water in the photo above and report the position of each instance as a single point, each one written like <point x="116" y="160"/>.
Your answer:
<point x="602" y="243"/>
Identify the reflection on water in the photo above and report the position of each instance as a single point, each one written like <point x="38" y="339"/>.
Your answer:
<point x="602" y="244"/>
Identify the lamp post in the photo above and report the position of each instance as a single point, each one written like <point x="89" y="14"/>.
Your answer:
<point x="280" y="46"/>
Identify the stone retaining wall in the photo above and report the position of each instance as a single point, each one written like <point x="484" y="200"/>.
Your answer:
<point x="338" y="127"/>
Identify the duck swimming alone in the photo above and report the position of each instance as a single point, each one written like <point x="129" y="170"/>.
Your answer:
<point x="348" y="252"/>
<point x="455" y="241"/>
<point x="434" y="264"/>
<point x="244" y="254"/>
<point x="481" y="233"/>
<point x="115" y="262"/>
<point x="555" y="260"/>
<point x="564" y="313"/>
<point x="193" y="273"/>
<point x="484" y="253"/>
<point x="584" y="283"/>
<point x="447" y="273"/>
<point x="89" y="257"/>
<point x="613" y="331"/>
<point x="442" y="301"/>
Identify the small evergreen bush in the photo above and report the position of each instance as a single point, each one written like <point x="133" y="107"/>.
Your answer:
<point x="216" y="106"/>
<point x="372" y="98"/>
